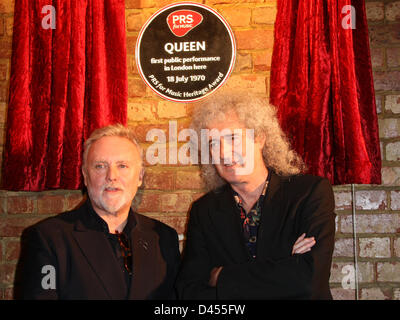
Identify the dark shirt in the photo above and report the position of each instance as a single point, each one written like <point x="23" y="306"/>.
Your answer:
<point x="251" y="220"/>
<point x="98" y="223"/>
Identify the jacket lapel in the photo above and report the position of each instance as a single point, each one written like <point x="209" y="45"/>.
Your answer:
<point x="148" y="266"/>
<point x="270" y="215"/>
<point x="226" y="221"/>
<point x="98" y="252"/>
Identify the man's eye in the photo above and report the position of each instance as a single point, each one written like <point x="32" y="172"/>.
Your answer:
<point x="99" y="166"/>
<point x="122" y="166"/>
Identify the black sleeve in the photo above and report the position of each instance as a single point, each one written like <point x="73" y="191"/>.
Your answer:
<point x="39" y="269"/>
<point x="297" y="276"/>
<point x="169" y="245"/>
<point x="192" y="282"/>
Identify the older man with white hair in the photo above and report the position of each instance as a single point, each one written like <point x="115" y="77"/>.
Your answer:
<point x="103" y="250"/>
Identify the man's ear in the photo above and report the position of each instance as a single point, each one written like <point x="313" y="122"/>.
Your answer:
<point x="260" y="139"/>
<point x="84" y="173"/>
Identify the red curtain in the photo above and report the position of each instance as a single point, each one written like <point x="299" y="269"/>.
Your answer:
<point x="65" y="82"/>
<point x="321" y="82"/>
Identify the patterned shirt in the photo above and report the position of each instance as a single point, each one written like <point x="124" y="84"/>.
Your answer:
<point x="251" y="220"/>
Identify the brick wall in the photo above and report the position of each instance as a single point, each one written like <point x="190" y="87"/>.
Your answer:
<point x="169" y="190"/>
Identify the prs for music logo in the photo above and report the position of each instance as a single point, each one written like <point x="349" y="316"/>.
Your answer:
<point x="180" y="22"/>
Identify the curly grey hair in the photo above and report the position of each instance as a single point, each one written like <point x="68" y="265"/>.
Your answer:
<point x="255" y="113"/>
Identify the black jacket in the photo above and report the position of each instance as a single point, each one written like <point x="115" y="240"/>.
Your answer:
<point x="86" y="266"/>
<point x="293" y="205"/>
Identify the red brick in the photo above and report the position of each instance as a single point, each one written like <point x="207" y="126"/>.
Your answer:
<point x="141" y="110"/>
<point x="159" y="180"/>
<point x="131" y="44"/>
<point x="50" y="204"/>
<point x="393" y="57"/>
<point x="387" y="80"/>
<point x="2" y="27"/>
<point x="371" y="200"/>
<point x="3" y="205"/>
<point x="3" y="71"/>
<point x="148" y="202"/>
<point x="5" y="47"/>
<point x="371" y="223"/>
<point x="262" y="60"/>
<point x="9" y="26"/>
<point x="213" y="2"/>
<point x="12" y="250"/>
<point x="7" y="272"/>
<point x="375" y="294"/>
<point x="343" y="294"/>
<point x="134" y="21"/>
<point x="8" y="294"/>
<point x="343" y="201"/>
<point x="388" y="271"/>
<point x="13" y="227"/>
<point x="170" y="110"/>
<point x="254" y="39"/>
<point x="264" y="15"/>
<point x="396" y="245"/>
<point x="393" y="151"/>
<point x="392" y="103"/>
<point x="176" y="202"/>
<point x="255" y="83"/>
<point x="136" y="88"/>
<point x="74" y="200"/>
<point x="7" y="6"/>
<point x="20" y="204"/>
<point x="392" y="11"/>
<point x="384" y="34"/>
<point x="132" y="4"/>
<point x="389" y="128"/>
<point x="243" y="62"/>
<point x="375" y="11"/>
<point x="236" y="16"/>
<point x="4" y="91"/>
<point x="390" y="176"/>
<point x="189" y="180"/>
<point x="142" y="130"/>
<point x="377" y="57"/>
<point x="132" y="69"/>
<point x="378" y="102"/>
<point x="374" y="247"/>
<point x="344" y="247"/>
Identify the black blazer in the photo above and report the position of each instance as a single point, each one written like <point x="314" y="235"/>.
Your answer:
<point x="86" y="267"/>
<point x="293" y="205"/>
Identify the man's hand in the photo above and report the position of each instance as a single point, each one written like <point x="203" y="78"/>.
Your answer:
<point x="303" y="244"/>
<point x="214" y="276"/>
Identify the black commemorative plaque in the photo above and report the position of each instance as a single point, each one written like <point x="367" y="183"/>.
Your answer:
<point x="185" y="51"/>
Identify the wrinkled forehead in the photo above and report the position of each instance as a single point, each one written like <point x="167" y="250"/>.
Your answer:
<point x="113" y="148"/>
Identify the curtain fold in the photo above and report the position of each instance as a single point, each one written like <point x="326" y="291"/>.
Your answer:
<point x="65" y="82"/>
<point x="321" y="83"/>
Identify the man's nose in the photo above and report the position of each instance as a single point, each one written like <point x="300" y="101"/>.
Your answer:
<point x="226" y="152"/>
<point x="112" y="173"/>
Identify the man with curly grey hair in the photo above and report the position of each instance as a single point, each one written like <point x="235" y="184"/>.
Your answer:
<point x="263" y="234"/>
